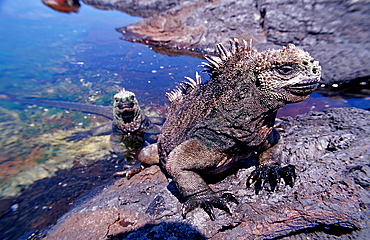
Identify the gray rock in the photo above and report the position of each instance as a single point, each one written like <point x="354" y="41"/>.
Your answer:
<point x="330" y="199"/>
<point x="137" y="8"/>
<point x="334" y="32"/>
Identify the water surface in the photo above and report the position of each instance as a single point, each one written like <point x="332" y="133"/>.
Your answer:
<point x="71" y="57"/>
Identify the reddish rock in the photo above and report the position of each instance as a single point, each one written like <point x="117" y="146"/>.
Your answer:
<point x="66" y="6"/>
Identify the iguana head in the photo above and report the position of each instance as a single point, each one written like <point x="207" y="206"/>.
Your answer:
<point x="127" y="114"/>
<point x="285" y="75"/>
<point x="288" y="74"/>
<point x="274" y="77"/>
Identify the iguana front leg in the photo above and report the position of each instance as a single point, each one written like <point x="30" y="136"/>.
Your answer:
<point x="147" y="156"/>
<point x="184" y="164"/>
<point x="269" y="170"/>
<point x="127" y="145"/>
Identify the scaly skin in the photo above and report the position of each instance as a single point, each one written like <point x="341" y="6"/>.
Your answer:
<point x="127" y="128"/>
<point x="129" y="125"/>
<point x="213" y="125"/>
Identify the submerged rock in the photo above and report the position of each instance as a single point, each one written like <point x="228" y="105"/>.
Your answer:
<point x="330" y="198"/>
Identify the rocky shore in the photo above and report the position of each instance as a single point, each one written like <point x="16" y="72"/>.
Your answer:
<point x="330" y="199"/>
<point x="330" y="149"/>
<point x="334" y="32"/>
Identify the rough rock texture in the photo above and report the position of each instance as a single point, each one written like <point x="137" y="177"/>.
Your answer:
<point x="138" y="8"/>
<point x="330" y="199"/>
<point x="43" y="202"/>
<point x="335" y="32"/>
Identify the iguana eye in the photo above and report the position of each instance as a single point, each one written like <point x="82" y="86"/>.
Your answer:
<point x="285" y="70"/>
<point x="132" y="98"/>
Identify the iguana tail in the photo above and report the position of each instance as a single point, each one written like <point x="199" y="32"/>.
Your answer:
<point x="83" y="107"/>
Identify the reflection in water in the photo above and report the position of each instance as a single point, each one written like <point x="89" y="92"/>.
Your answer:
<point x="66" y="6"/>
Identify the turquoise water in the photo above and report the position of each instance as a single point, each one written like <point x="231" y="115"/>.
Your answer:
<point x="81" y="58"/>
<point x="71" y="57"/>
<point x="42" y="48"/>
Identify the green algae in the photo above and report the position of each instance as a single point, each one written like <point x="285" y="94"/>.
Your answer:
<point x="32" y="148"/>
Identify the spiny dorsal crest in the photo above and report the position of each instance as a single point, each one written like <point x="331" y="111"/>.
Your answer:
<point x="216" y="62"/>
<point x="214" y="65"/>
<point x="123" y="90"/>
<point x="184" y="87"/>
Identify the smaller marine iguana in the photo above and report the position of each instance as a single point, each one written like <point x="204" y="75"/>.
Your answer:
<point x="127" y="126"/>
<point x="212" y="126"/>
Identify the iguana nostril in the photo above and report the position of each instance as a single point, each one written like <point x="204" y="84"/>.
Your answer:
<point x="315" y="70"/>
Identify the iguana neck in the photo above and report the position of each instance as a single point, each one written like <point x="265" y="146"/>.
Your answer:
<point x="133" y="125"/>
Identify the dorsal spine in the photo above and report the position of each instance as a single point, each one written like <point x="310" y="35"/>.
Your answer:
<point x="213" y="65"/>
<point x="184" y="87"/>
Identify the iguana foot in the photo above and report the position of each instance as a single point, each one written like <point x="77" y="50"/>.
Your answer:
<point x="271" y="175"/>
<point x="207" y="200"/>
<point x="130" y="171"/>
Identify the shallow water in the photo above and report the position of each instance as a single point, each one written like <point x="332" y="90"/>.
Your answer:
<point x="71" y="57"/>
<point x="79" y="57"/>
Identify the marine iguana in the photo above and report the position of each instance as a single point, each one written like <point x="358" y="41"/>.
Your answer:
<point x="212" y="126"/>
<point x="127" y="126"/>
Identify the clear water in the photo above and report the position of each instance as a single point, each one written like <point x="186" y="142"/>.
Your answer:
<point x="71" y="57"/>
<point x="80" y="58"/>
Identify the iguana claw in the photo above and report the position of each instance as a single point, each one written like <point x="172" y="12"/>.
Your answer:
<point x="207" y="201"/>
<point x="130" y="171"/>
<point x="271" y="175"/>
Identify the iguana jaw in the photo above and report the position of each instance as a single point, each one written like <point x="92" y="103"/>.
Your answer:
<point x="125" y="105"/>
<point x="126" y="111"/>
<point x="303" y="88"/>
<point x="125" y="108"/>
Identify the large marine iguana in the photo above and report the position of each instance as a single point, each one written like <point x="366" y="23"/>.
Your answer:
<point x="127" y="126"/>
<point x="212" y="126"/>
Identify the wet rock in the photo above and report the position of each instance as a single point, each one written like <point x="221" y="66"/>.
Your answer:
<point x="143" y="9"/>
<point x="43" y="202"/>
<point x="335" y="32"/>
<point x="198" y="25"/>
<point x="330" y="199"/>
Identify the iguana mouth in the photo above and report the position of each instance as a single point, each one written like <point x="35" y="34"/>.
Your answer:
<point x="305" y="87"/>
<point x="125" y="106"/>
<point x="126" y="111"/>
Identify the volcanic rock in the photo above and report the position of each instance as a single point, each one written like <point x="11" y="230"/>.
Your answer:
<point x="334" y="32"/>
<point x="330" y="198"/>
